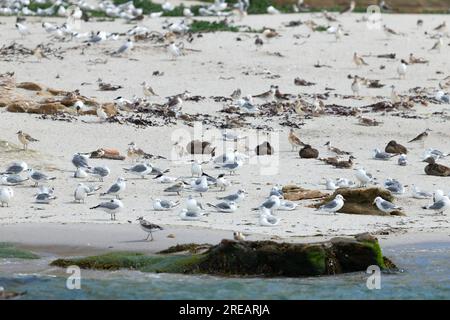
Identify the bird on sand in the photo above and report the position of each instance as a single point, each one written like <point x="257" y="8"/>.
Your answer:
<point x="435" y="169"/>
<point x="112" y="207"/>
<point x="395" y="148"/>
<point x="358" y="60"/>
<point x="420" y="137"/>
<point x="294" y="140"/>
<point x="117" y="188"/>
<point x="385" y="206"/>
<point x="439" y="206"/>
<point x="333" y="206"/>
<point x="25" y="139"/>
<point x="148" y="227"/>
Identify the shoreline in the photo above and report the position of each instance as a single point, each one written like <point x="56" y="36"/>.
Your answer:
<point x="66" y="240"/>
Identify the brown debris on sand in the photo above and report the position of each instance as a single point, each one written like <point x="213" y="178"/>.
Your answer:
<point x="360" y="201"/>
<point x="295" y="193"/>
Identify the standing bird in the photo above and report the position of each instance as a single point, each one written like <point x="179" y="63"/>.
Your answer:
<point x="439" y="206"/>
<point x="25" y="139"/>
<point x="395" y="98"/>
<point x="333" y="206"/>
<point x="81" y="192"/>
<point x="174" y="50"/>
<point x="385" y="206"/>
<point x="421" y="137"/>
<point x="294" y="140"/>
<point x="23" y="30"/>
<point x="141" y="169"/>
<point x="37" y="176"/>
<point x="200" y="185"/>
<point x="112" y="207"/>
<point x="147" y="90"/>
<point x="125" y="48"/>
<point x="196" y="168"/>
<point x="6" y="194"/>
<point x="100" y="172"/>
<point x="148" y="227"/>
<point x="101" y="114"/>
<point x="80" y="160"/>
<point x="117" y="188"/>
<point x="358" y="60"/>
<point x="177" y="188"/>
<point x="363" y="177"/>
<point x="356" y="86"/>
<point x="438" y="45"/>
<point x="401" y="69"/>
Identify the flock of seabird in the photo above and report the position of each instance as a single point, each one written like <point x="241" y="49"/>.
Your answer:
<point x="200" y="182"/>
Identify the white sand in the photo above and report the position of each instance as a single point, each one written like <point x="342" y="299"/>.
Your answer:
<point x="202" y="73"/>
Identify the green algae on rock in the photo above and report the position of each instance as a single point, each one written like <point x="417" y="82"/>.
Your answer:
<point x="251" y="258"/>
<point x="8" y="250"/>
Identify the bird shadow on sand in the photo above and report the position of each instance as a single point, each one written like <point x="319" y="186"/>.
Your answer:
<point x="135" y="241"/>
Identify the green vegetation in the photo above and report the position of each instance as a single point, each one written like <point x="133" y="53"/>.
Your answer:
<point x="375" y="246"/>
<point x="133" y="261"/>
<point x="214" y="26"/>
<point x="8" y="250"/>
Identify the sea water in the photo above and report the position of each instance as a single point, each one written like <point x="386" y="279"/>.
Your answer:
<point x="425" y="275"/>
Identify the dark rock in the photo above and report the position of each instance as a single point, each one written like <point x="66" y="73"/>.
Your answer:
<point x="264" y="149"/>
<point x="308" y="152"/>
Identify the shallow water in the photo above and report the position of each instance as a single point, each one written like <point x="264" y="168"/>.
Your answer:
<point x="425" y="275"/>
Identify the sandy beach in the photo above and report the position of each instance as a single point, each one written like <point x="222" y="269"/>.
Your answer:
<point x="218" y="65"/>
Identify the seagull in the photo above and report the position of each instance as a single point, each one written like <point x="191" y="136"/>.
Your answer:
<point x="80" y="173"/>
<point x="81" y="192"/>
<point x="336" y="150"/>
<point x="385" y="206"/>
<point x="117" y="188"/>
<point x="441" y="27"/>
<point x="112" y="207"/>
<point x="189" y="216"/>
<point x="402" y="160"/>
<point x="25" y="139"/>
<point x="272" y="203"/>
<point x="344" y="183"/>
<point x="232" y="167"/>
<point x="363" y="177"/>
<point x="37" y="176"/>
<point x="126" y="47"/>
<point x="12" y="180"/>
<point x="401" y="69"/>
<point x="141" y="169"/>
<point x="330" y="184"/>
<point x="286" y="205"/>
<point x="419" y="194"/>
<point x="389" y="31"/>
<point x="100" y="172"/>
<point x="196" y="168"/>
<point x="164" y="205"/>
<point x="16" y="168"/>
<point x="174" y="50"/>
<point x="49" y="27"/>
<point x="439" y="206"/>
<point x="226" y="207"/>
<point x="23" y="30"/>
<point x="80" y="160"/>
<point x="193" y="205"/>
<point x="200" y="185"/>
<point x="381" y="155"/>
<point x="266" y="219"/>
<point x="235" y="197"/>
<point x="187" y="13"/>
<point x="394" y="186"/>
<point x="6" y="194"/>
<point x="334" y="205"/>
<point x="148" y="227"/>
<point x="45" y="197"/>
<point x="162" y="178"/>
